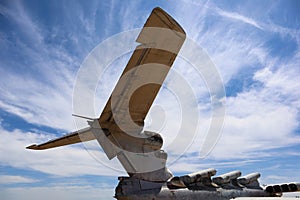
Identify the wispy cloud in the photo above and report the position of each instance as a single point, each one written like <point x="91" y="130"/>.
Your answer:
<point x="48" y="73"/>
<point x="261" y="120"/>
<point x="232" y="52"/>
<point x="238" y="17"/>
<point x="261" y="116"/>
<point x="65" y="161"/>
<point x="8" y="179"/>
<point x="57" y="192"/>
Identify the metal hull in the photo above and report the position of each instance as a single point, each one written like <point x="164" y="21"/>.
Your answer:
<point x="185" y="194"/>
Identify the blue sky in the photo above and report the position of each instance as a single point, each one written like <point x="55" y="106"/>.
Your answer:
<point x="253" y="44"/>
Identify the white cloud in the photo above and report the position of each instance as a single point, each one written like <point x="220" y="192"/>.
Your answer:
<point x="233" y="47"/>
<point x="64" y="161"/>
<point x="35" y="101"/>
<point x="266" y="116"/>
<point x="57" y="192"/>
<point x="238" y="17"/>
<point x="282" y="83"/>
<point x="9" y="179"/>
<point x="41" y="93"/>
<point x="188" y="164"/>
<point x="254" y="126"/>
<point x="19" y="15"/>
<point x="258" y="119"/>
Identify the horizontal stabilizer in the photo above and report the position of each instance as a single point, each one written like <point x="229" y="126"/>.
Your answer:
<point x="72" y="138"/>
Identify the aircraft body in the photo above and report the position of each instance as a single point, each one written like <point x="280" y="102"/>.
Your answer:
<point x="119" y="129"/>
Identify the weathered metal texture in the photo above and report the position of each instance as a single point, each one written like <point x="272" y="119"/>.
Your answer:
<point x="119" y="127"/>
<point x="226" y="178"/>
<point x="125" y="112"/>
<point x="161" y="39"/>
<point x="133" y="189"/>
<point x="130" y="188"/>
<point x="289" y="187"/>
<point x="194" y="179"/>
<point x="245" y="180"/>
<point x="250" y="180"/>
